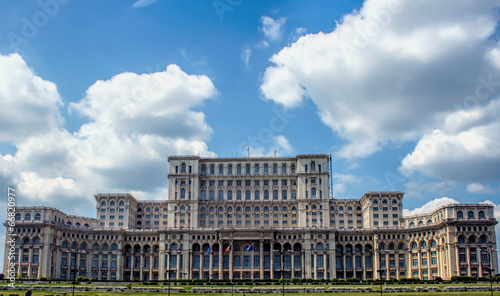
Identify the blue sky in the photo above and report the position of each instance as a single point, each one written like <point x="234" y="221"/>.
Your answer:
<point x="96" y="95"/>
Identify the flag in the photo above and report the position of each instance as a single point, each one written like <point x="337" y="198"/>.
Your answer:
<point x="228" y="248"/>
<point x="250" y="248"/>
<point x="208" y="250"/>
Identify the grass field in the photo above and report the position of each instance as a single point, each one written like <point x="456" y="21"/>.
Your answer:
<point x="44" y="293"/>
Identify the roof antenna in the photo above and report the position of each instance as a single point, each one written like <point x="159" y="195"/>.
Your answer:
<point x="248" y="150"/>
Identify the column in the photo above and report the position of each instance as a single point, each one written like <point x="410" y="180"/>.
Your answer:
<point x="292" y="263"/>
<point x="221" y="260"/>
<point x="161" y="265"/>
<point x="231" y="261"/>
<point x="376" y="266"/>
<point x="272" y="261"/>
<point x="211" y="265"/>
<point x="467" y="253"/>
<point x="151" y="265"/>
<point x="344" y="265"/>
<point x="178" y="270"/>
<point x="190" y="263"/>
<point x="261" y="265"/>
<point x="315" y="262"/>
<point x="132" y="263"/>
<point x="30" y="255"/>
<point x="363" y="264"/>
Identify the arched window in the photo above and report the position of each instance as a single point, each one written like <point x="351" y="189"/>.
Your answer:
<point x="433" y="243"/>
<point x="294" y="194"/>
<point x="238" y="195"/>
<point x="248" y="209"/>
<point x="105" y="247"/>
<point x="38" y="217"/>
<point x="482" y="239"/>
<point x="212" y="169"/>
<point x="203" y="195"/>
<point x="27" y="217"/>
<point x="472" y="240"/>
<point x="275" y="169"/>
<point x="319" y="246"/>
<point x="221" y="195"/>
<point x="283" y="169"/>
<point x="83" y="246"/>
<point x="183" y="168"/>
<point x="481" y="215"/>
<point x="247" y="169"/>
<point x="257" y="209"/>
<point x="460" y="214"/>
<point x="401" y="246"/>
<point x="221" y="169"/>
<point x="229" y="169"/>
<point x="391" y="246"/>
<point x="230" y="195"/>
<point x="382" y="246"/>
<point x="77" y="224"/>
<point x="414" y="246"/>
<point x="292" y="169"/>
<point x="64" y="245"/>
<point x="420" y="223"/>
<point x="96" y="247"/>
<point x="375" y="201"/>
<point x="266" y="169"/>
<point x="103" y="203"/>
<point x="36" y="241"/>
<point x="212" y="195"/>
<point x="313" y="193"/>
<point x="423" y="245"/>
<point x="470" y="215"/>
<point x="248" y="195"/>
<point x="257" y="169"/>
<point x="238" y="170"/>
<point x="284" y="195"/>
<point x="18" y="217"/>
<point x="429" y="221"/>
<point x="114" y="247"/>
<point x="183" y="193"/>
<point x="203" y="170"/>
<point x="313" y="166"/>
<point x="266" y="195"/>
<point x="257" y="194"/>
<point x="275" y="194"/>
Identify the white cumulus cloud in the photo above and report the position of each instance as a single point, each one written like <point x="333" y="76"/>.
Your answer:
<point x="430" y="206"/>
<point x="133" y="123"/>
<point x="388" y="72"/>
<point x="273" y="29"/>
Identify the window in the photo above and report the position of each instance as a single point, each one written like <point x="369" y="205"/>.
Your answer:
<point x="221" y="169"/>
<point x="247" y="169"/>
<point x="266" y="195"/>
<point x="460" y="214"/>
<point x="470" y="215"/>
<point x="481" y="215"/>
<point x="275" y="194"/>
<point x="284" y="195"/>
<point x="229" y="169"/>
<point x="275" y="169"/>
<point x="283" y="169"/>
<point x="257" y="194"/>
<point x="238" y="170"/>
<point x="256" y="169"/>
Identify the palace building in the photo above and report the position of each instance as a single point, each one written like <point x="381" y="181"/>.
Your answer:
<point x="254" y="218"/>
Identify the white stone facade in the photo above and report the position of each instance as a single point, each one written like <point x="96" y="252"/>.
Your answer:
<point x="254" y="218"/>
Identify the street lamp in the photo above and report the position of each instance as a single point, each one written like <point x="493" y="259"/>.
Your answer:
<point x="380" y="278"/>
<point x="490" y="271"/>
<point x="168" y="270"/>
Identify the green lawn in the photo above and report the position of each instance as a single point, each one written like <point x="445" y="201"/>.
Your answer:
<point x="43" y="293"/>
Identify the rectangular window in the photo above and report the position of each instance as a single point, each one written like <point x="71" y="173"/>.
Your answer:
<point x="196" y="261"/>
<point x="236" y="261"/>
<point x="256" y="261"/>
<point x="246" y="261"/>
